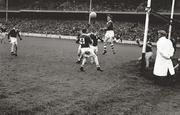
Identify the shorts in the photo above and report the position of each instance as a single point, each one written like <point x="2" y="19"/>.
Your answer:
<point x="94" y="48"/>
<point x="109" y="36"/>
<point x="13" y="40"/>
<point x="87" y="52"/>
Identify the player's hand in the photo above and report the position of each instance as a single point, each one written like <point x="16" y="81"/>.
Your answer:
<point x="137" y="41"/>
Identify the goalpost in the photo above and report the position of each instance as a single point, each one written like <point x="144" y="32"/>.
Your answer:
<point x="148" y="9"/>
<point x="7" y="10"/>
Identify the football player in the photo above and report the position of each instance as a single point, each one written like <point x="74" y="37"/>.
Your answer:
<point x="109" y="35"/>
<point x="86" y="51"/>
<point x="12" y="36"/>
<point x="94" y="45"/>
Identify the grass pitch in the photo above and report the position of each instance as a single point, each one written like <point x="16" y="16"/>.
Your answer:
<point x="45" y="80"/>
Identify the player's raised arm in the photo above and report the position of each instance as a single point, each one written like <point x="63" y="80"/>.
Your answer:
<point x="18" y="34"/>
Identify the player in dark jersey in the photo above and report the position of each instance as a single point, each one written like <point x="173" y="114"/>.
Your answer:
<point x="12" y="36"/>
<point x="94" y="37"/>
<point x="109" y="36"/>
<point x="86" y="51"/>
<point x="149" y="52"/>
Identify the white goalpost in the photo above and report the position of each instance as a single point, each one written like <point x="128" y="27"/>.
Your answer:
<point x="7" y="10"/>
<point x="148" y="9"/>
<point x="171" y="19"/>
<point x="90" y="5"/>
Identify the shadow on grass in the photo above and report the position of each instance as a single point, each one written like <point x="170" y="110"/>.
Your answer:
<point x="135" y="68"/>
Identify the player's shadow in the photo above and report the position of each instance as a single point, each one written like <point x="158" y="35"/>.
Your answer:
<point x="135" y="68"/>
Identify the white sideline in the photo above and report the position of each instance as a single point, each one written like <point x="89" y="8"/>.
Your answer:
<point x="72" y="37"/>
<point x="48" y="36"/>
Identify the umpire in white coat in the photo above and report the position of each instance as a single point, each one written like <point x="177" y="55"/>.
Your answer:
<point x="163" y="63"/>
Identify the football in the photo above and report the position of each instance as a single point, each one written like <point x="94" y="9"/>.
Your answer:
<point x="93" y="15"/>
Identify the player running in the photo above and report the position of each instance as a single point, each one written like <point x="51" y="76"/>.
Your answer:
<point x="86" y="51"/>
<point x="12" y="36"/>
<point x="109" y="35"/>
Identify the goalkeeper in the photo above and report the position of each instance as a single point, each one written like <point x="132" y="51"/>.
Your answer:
<point x="149" y="52"/>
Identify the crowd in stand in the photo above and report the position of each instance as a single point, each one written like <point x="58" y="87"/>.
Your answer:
<point x="125" y="30"/>
<point x="83" y="5"/>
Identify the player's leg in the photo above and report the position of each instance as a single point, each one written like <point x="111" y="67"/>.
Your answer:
<point x="79" y="55"/>
<point x="112" y="46"/>
<point x="148" y="56"/>
<point x="96" y="60"/>
<point x="92" y="58"/>
<point x="84" y="57"/>
<point x="12" y="48"/>
<point x="15" y="47"/>
<point x="105" y="44"/>
<point x="83" y="63"/>
<point x="112" y="41"/>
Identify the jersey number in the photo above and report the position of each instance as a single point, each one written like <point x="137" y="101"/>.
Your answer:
<point x="82" y="41"/>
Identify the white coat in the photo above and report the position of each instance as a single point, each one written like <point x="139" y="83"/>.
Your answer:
<point x="163" y="63"/>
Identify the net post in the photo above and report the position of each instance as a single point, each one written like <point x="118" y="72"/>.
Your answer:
<point x="171" y="19"/>
<point x="148" y="9"/>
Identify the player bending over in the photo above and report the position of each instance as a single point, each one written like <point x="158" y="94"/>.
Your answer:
<point x="86" y="51"/>
<point x="109" y="35"/>
<point x="12" y="36"/>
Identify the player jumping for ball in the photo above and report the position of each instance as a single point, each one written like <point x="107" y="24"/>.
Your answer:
<point x="109" y="36"/>
<point x="86" y="51"/>
<point x="12" y="36"/>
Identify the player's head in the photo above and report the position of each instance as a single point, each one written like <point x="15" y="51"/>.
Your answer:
<point x="109" y="17"/>
<point x="162" y="33"/>
<point x="84" y="30"/>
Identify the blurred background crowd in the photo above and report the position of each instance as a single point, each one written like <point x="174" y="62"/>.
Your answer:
<point x="83" y="5"/>
<point x="124" y="29"/>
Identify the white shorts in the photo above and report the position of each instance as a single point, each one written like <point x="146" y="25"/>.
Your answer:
<point x="109" y="36"/>
<point x="87" y="52"/>
<point x="13" y="40"/>
<point x="94" y="48"/>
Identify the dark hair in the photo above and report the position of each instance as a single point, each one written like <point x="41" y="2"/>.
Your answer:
<point x="84" y="30"/>
<point x="109" y="15"/>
